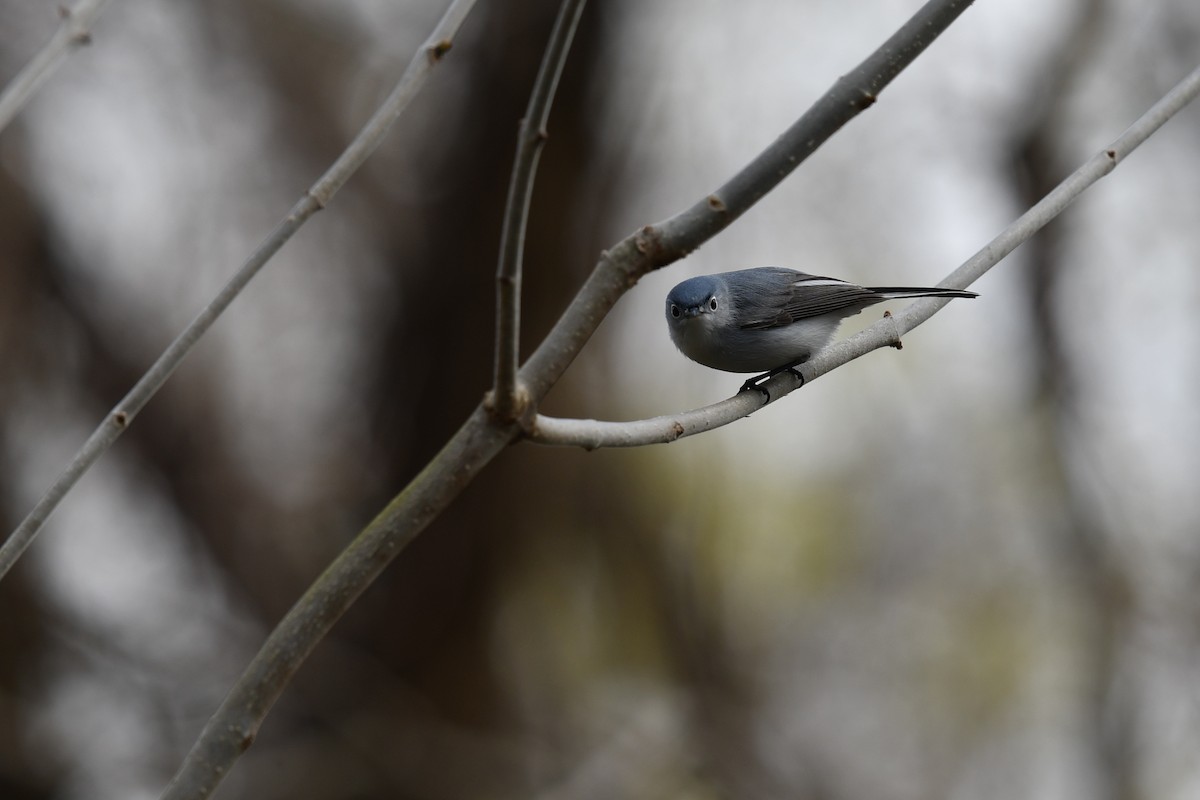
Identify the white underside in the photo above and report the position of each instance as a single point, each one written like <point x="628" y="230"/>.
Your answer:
<point x="737" y="350"/>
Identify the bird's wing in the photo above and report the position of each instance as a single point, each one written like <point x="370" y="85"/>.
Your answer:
<point x="784" y="299"/>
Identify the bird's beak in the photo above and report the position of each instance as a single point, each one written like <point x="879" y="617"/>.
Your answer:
<point x="694" y="311"/>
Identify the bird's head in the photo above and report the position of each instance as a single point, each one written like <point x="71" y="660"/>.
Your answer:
<point x="696" y="299"/>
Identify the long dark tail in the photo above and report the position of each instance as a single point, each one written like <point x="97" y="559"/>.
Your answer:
<point x="903" y="291"/>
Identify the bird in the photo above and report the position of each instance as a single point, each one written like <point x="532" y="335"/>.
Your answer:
<point x="769" y="319"/>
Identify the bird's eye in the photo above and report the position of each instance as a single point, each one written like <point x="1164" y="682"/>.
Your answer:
<point x="712" y="304"/>
<point x="674" y="311"/>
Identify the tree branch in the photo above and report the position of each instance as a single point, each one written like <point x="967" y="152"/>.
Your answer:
<point x="73" y="32"/>
<point x="530" y="140"/>
<point x="591" y="434"/>
<point x="655" y="246"/>
<point x="232" y="728"/>
<point x="315" y="199"/>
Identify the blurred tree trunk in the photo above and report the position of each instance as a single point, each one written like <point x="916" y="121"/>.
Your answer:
<point x="1080" y="543"/>
<point x="24" y="345"/>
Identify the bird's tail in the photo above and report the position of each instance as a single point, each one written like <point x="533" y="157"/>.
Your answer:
<point x="896" y="292"/>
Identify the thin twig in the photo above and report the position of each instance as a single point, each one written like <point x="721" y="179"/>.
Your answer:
<point x="235" y="723"/>
<point x="74" y="31"/>
<point x="530" y="139"/>
<point x="316" y="198"/>
<point x="592" y="434"/>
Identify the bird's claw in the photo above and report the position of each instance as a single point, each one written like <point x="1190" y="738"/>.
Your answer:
<point x="754" y="383"/>
<point x="758" y="380"/>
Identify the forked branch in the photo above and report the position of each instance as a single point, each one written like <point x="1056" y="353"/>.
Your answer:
<point x="530" y="140"/>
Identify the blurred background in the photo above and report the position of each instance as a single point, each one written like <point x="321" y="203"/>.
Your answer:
<point x="965" y="569"/>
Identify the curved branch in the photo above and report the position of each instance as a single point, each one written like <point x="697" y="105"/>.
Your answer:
<point x="591" y="434"/>
<point x="315" y="199"/>
<point x="530" y="140"/>
<point x="73" y="32"/>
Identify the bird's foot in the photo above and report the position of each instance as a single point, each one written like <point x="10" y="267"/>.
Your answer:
<point x="757" y="381"/>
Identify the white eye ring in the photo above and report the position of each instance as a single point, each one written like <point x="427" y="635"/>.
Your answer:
<point x="674" y="311"/>
<point x="712" y="304"/>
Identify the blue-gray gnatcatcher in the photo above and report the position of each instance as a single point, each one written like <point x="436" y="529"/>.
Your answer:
<point x="768" y="319"/>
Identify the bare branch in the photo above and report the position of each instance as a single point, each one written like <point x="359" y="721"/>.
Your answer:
<point x="591" y="434"/>
<point x="655" y="246"/>
<point x="232" y="728"/>
<point x="850" y="95"/>
<point x="316" y="198"/>
<point x="531" y="138"/>
<point x="73" y="32"/>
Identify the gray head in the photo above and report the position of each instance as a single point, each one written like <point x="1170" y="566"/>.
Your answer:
<point x="695" y="297"/>
<point x="700" y="316"/>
